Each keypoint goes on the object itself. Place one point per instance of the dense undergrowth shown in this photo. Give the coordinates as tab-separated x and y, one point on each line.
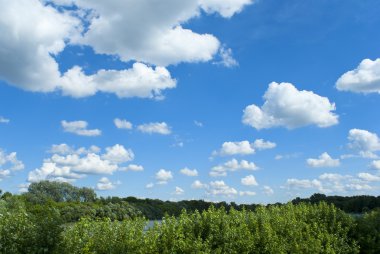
60	218
302	228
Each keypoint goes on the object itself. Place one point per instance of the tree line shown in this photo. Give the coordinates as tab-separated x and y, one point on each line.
53	217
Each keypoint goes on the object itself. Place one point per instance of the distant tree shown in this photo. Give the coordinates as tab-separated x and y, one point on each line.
43	191
367	232
6	195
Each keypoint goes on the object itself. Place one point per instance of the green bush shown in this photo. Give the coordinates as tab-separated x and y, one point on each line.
278	229
17	231
368	232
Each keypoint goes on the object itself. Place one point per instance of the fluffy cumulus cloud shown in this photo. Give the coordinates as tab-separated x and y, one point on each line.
323	161
117	154
236	148
178	191
198	185
157	128
369	177
249	180
139	31
261	144
122	124
365	142
232	165
291	108
79	128
267	190
364	79
139	81
163	176
243	147
226	8
189	172
32	35
68	164
303	184
133	167
375	164
105	184
9	163
221	188
333	183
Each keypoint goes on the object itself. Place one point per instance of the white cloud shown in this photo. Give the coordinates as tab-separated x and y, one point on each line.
247	193
304	184
4	120
235	148
369	177
215	172
149	185
32	35
64	149
178	191
133	167
189	172
220	188
232	165
9	163
199	124
375	164
287	156
69	164
286	106
163	176
249	180
268	190
335	183
145	33
159	128
323	161
22	188
363	141
105	184
61	149
128	30
227	59
51	171
79	128
226	8
140	81
198	185
118	154
333	177
122	124
261	144
358	187
364	79
4	173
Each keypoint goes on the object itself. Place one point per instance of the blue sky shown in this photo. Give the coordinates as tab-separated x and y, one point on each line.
246	101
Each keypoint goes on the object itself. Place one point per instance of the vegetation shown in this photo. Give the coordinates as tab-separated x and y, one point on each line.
355	204
60	218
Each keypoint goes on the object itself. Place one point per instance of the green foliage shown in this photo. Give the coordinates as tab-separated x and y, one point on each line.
44	191
104	237
279	229
59	218
368	232
354	204
48	227
17	231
